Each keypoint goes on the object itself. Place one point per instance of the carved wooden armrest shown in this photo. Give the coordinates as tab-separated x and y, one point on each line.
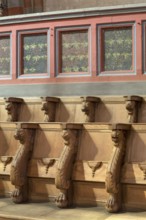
65	164
49	107
112	182
25	133
13	105
132	105
89	104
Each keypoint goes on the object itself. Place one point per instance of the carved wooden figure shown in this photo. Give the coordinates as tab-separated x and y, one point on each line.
65	165
25	133
113	185
89	106
49	108
132	106
13	105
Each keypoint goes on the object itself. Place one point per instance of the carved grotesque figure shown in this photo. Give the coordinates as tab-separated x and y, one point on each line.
13	106
49	111
131	107
18	175
89	109
64	168
113	186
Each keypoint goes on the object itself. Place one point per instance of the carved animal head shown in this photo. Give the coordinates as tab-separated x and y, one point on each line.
117	136
8	106
44	106
69	136
130	106
20	135
85	106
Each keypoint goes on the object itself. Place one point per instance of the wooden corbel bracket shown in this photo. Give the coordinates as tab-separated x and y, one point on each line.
132	105
25	134
63	181
89	104
13	105
113	173
49	105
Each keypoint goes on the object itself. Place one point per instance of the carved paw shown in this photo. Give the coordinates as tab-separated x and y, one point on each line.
61	200
19	195
113	204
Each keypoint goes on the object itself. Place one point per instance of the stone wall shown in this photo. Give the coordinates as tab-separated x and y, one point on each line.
50	5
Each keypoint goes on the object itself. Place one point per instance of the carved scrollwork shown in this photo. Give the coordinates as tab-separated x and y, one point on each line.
94	165
47	162
89	106
49	108
6	160
65	166
18	174
13	105
132	106
113	186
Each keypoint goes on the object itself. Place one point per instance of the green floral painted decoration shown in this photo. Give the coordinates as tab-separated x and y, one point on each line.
117	49
74	51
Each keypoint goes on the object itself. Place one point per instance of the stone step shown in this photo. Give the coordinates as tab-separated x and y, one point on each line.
48	211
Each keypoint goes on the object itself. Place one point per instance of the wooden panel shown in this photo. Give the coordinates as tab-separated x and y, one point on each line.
95	144
134	197
31	111
8	143
136	144
83	171
5	186
87	193
111	112
48	142
42	189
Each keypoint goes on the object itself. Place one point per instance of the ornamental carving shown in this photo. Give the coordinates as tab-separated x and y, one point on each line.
5	160
112	182
132	106
47	162
89	105
18	174
13	105
65	166
49	105
94	165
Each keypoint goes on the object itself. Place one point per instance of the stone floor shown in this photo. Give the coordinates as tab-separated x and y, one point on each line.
43	211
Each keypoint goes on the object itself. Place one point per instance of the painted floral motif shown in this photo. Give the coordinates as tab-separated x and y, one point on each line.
5	55
74	51
117	49
35	53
